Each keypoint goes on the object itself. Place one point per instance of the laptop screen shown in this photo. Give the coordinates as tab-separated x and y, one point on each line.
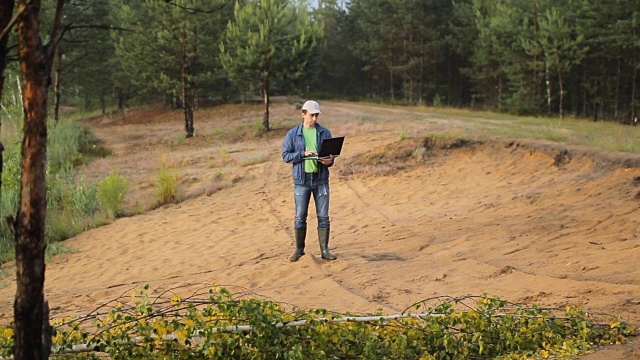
332	146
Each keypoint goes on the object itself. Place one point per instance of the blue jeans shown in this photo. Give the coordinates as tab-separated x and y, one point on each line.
302	194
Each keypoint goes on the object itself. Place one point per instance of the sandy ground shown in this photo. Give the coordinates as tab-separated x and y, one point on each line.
501	218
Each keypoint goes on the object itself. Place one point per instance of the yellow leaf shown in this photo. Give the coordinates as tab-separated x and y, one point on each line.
182	335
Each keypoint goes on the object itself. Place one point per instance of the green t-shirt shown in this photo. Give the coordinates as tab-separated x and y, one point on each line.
310	142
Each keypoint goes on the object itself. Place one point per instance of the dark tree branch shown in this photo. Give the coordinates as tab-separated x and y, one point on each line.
196	10
11	23
101	27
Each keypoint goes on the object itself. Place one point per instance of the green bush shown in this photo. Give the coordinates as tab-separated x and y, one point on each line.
437	101
71	204
167	186
63	145
10	198
111	192
403	134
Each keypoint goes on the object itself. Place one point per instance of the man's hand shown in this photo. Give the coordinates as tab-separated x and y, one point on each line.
309	152
327	160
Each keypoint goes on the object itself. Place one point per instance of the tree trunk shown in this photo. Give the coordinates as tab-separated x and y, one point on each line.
422	73
187	100
187	107
32	329
616	107
633	119
560	85
103	100
585	98
449	77
56	88
535	56
595	94
391	89
547	80
265	97
120	93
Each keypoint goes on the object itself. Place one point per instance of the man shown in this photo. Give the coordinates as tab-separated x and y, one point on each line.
309	177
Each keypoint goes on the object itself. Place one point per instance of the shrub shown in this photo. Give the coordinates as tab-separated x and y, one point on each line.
63	145
403	134
167	186
10	198
437	101
111	192
70	206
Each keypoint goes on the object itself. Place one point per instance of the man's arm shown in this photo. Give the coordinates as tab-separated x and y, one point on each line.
289	153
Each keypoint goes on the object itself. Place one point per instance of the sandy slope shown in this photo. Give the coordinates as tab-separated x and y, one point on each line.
494	218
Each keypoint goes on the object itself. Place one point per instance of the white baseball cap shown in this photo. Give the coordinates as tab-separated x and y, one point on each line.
312	107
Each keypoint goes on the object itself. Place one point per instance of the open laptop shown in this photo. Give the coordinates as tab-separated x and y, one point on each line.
328	147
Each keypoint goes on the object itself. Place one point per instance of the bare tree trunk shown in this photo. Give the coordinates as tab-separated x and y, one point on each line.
547	80
422	66
633	119
585	97
103	100
616	106
187	107
56	88
499	92
449	78
560	107
265	98
187	101
32	329
595	94
391	88
535	56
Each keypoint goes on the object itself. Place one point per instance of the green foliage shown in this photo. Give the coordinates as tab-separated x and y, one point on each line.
111	192
71	203
173	49
257	126
268	42
216	324
403	134
63	145
71	207
88	74
167	186
437	101
516	56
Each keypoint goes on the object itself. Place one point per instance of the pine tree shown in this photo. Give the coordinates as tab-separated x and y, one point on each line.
169	48
268	41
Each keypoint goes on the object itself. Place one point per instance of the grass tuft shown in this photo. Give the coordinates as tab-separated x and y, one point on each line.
167	186
111	192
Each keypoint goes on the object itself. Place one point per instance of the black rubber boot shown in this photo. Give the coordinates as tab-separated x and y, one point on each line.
301	235
323	237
